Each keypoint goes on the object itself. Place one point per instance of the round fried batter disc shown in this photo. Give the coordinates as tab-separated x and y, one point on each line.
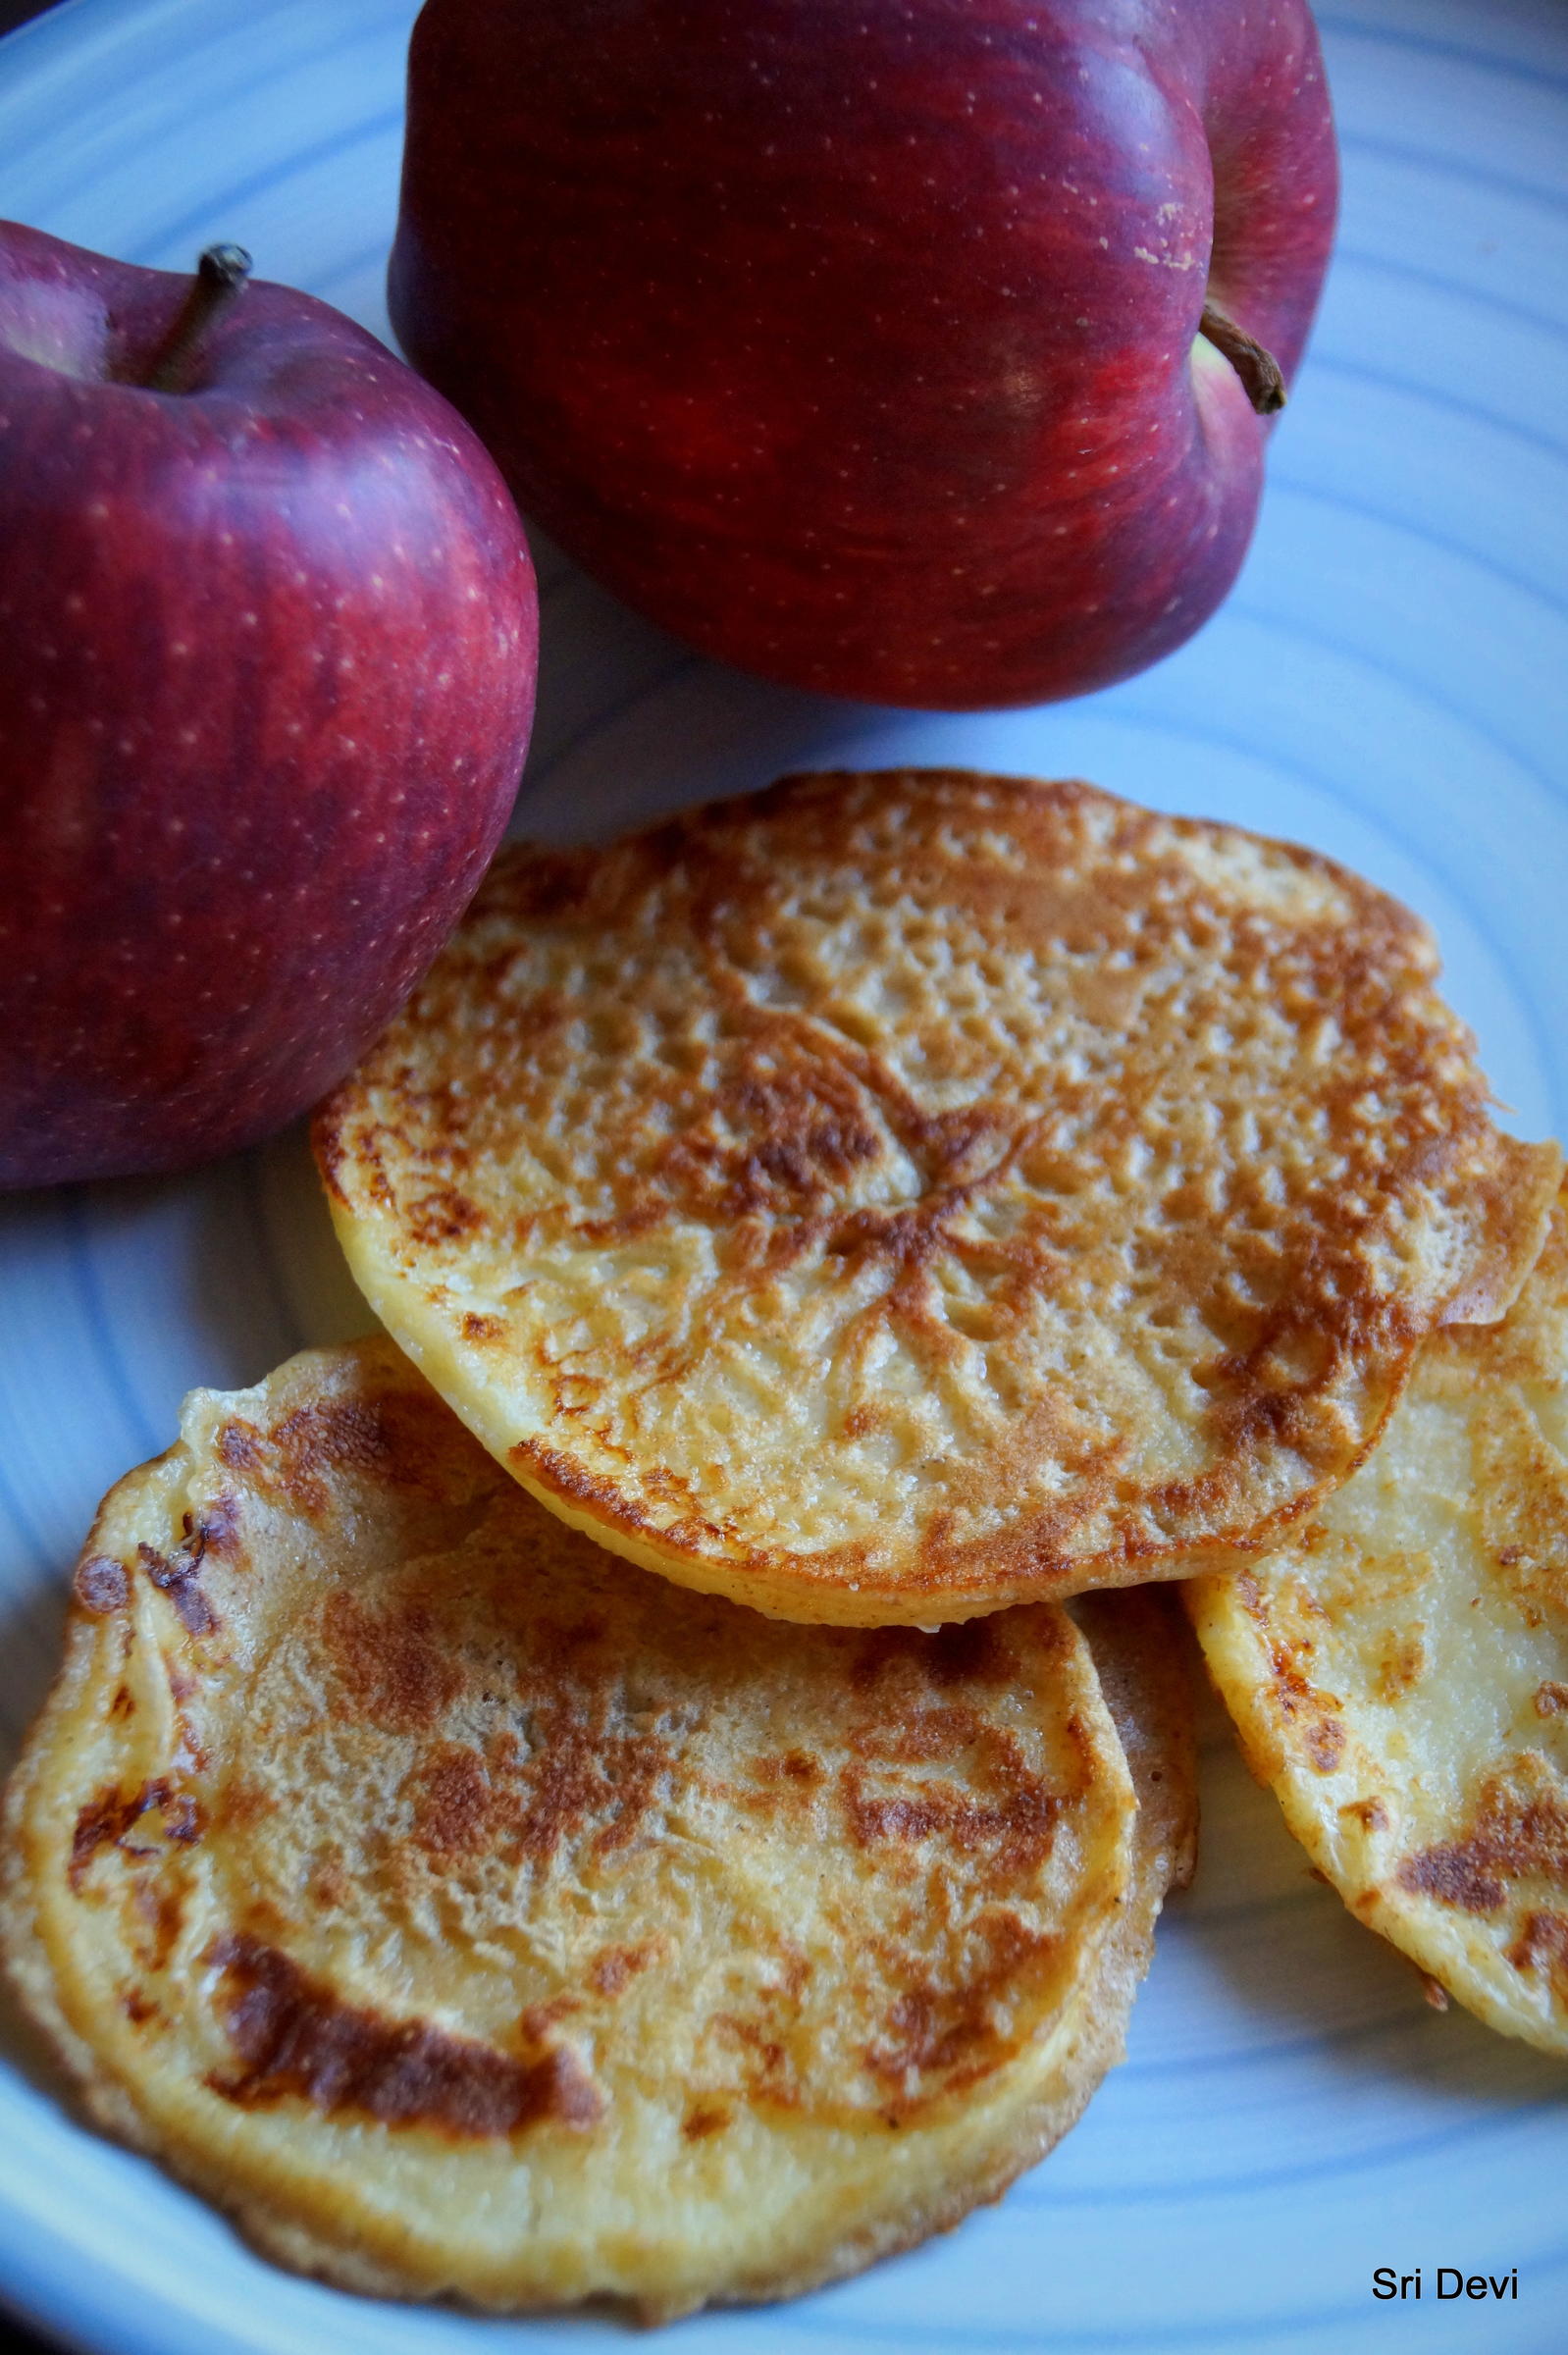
896	1196
1399	1671
470	1915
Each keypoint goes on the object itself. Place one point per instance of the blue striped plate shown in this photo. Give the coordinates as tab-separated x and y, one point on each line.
1390	682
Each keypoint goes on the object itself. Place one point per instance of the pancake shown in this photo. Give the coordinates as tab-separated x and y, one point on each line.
1399	1671
470	1915
892	1197
1144	1657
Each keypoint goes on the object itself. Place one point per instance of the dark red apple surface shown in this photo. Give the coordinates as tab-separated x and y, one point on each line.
267	659
857	341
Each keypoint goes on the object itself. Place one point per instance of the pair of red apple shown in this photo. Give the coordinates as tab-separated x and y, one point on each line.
915	351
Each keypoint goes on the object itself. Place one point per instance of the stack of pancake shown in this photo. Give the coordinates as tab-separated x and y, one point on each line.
657	1779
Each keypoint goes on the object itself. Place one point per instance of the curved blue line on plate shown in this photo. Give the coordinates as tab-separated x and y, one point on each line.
52	22
1421	690
1336	2163
96	1314
194	222
1362	258
44	1560
1391	520
1421	44
1464	169
105	80
1388	380
1406	2021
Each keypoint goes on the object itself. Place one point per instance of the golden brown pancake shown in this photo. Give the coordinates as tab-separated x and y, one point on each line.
895	1196
1399	1670
469	1913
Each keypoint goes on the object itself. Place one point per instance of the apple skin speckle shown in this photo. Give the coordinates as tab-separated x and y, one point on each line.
232	841
746	373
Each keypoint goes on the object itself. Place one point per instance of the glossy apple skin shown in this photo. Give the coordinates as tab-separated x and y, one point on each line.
267	662
852	339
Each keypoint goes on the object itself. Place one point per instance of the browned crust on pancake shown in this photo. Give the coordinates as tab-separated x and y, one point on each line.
1005	1079
1397	1671
296	2039
410	1698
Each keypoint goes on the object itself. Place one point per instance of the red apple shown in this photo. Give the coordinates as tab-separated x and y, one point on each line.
267	656
859	341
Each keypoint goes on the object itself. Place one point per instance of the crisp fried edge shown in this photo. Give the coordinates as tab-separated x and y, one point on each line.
1144	1685
1445	1946
1510	1212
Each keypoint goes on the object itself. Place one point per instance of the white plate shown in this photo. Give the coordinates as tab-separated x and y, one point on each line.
1388	682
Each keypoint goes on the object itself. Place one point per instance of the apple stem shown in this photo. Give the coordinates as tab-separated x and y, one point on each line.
220	274
1259	370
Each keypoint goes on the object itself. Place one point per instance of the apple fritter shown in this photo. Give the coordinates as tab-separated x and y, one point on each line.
896	1196
1399	1670
468	1914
